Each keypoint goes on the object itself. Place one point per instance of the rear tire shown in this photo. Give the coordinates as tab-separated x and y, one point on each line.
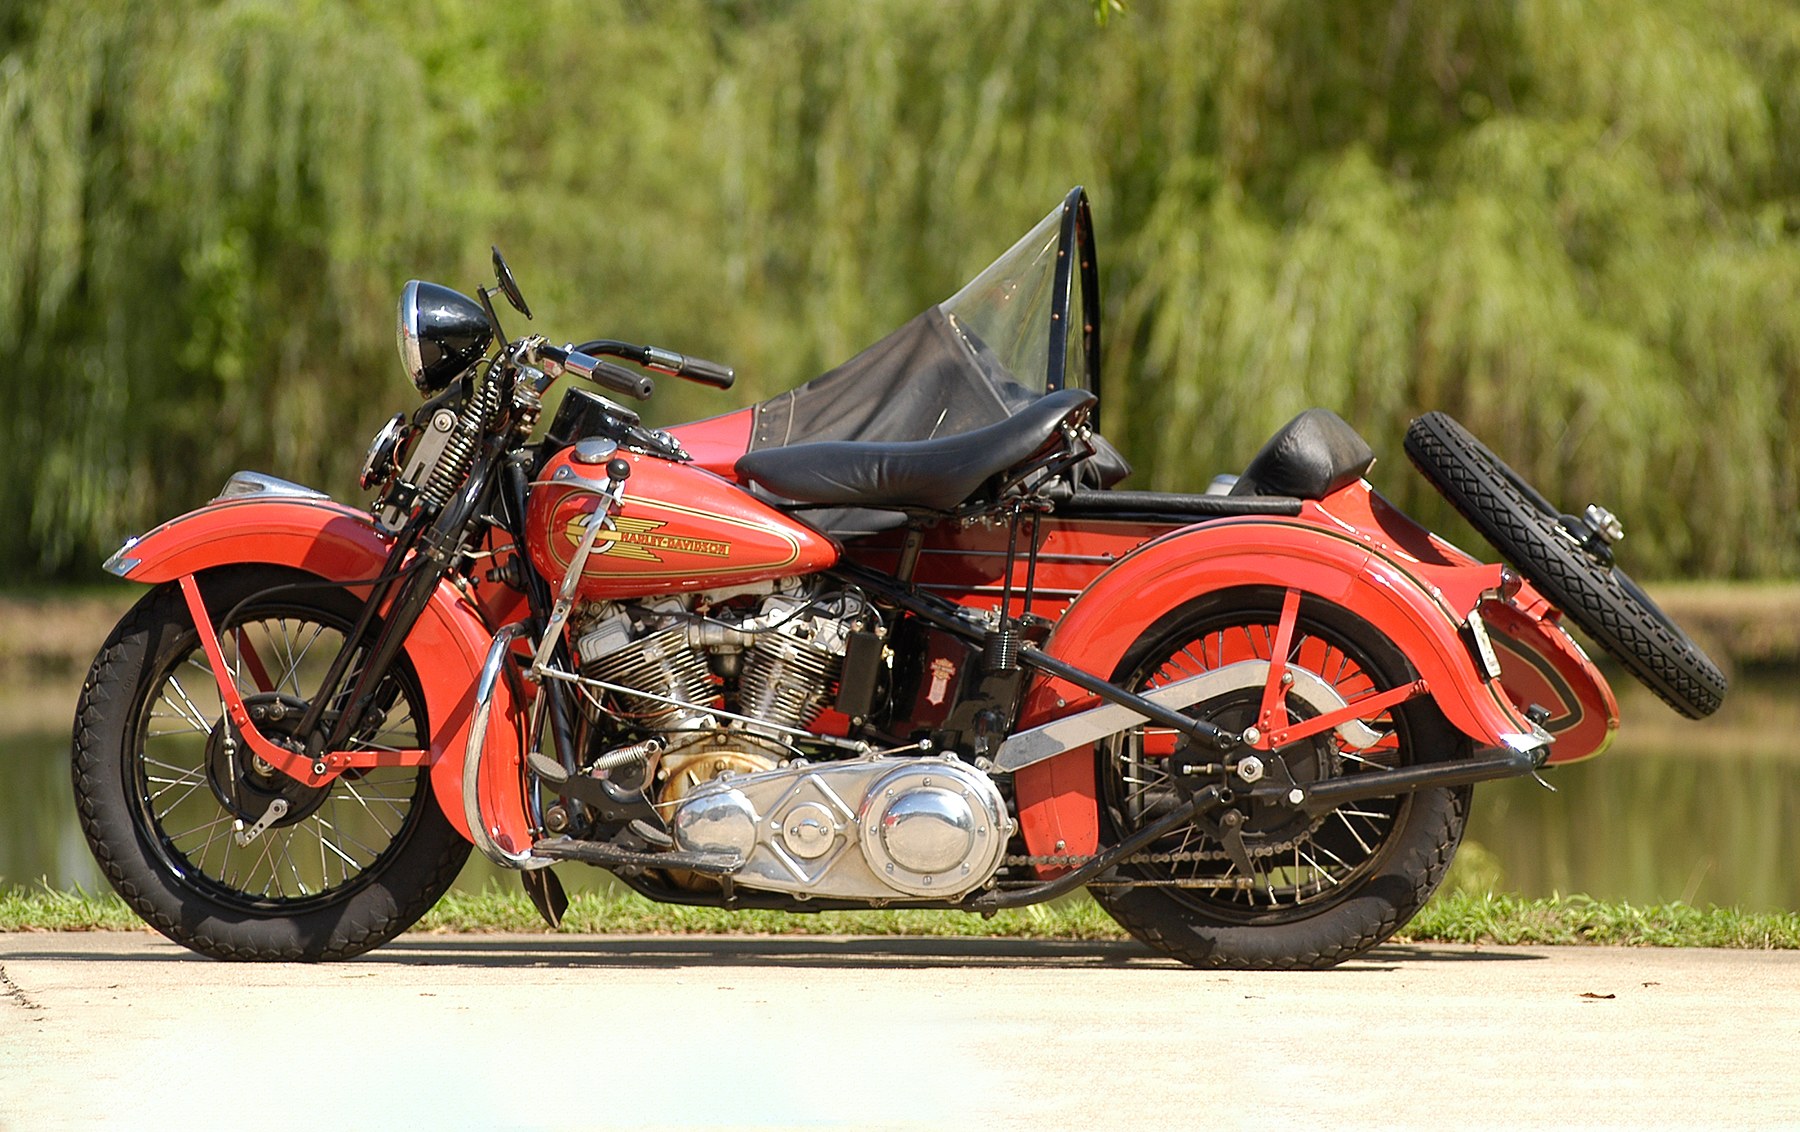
158	791
1323	891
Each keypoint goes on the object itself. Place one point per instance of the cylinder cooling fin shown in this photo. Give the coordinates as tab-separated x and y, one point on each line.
662	663
785	679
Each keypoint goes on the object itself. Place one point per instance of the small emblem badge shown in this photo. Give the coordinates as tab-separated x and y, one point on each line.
941	671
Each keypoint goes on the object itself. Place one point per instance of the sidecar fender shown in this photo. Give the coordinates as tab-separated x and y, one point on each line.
1420	607
322	537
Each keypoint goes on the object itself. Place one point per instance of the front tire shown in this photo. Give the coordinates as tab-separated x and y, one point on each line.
1321	891
161	787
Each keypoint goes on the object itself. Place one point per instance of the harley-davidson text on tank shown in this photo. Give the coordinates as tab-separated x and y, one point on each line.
679	528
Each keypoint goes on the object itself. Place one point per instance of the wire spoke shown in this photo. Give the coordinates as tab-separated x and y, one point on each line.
350	789
196	829
186	708
327	843
1351	829
345	832
185	795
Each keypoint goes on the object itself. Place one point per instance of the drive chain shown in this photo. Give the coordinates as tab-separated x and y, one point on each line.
1210	882
1255	849
1075	861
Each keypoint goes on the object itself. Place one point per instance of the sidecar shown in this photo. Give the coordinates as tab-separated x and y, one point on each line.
1152	587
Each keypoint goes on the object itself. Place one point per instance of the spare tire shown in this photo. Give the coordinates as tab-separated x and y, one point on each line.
1568	560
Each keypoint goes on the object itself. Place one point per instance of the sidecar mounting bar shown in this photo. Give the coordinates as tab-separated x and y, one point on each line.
1197	729
1321	797
991	902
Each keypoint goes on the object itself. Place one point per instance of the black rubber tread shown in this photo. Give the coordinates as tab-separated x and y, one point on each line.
1416	855
1353	928
379	909
1602	599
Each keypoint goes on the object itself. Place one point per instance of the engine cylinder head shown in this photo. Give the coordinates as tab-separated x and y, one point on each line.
662	663
785	679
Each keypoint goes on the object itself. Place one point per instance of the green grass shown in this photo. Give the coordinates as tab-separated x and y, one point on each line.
1460	916
48	910
1500	918
629	914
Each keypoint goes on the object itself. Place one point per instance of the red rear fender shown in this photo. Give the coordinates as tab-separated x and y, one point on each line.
332	541
1420	607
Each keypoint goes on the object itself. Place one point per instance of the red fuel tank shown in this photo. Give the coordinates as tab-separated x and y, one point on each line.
681	528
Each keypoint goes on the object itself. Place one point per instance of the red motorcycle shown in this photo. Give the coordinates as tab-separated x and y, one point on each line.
892	638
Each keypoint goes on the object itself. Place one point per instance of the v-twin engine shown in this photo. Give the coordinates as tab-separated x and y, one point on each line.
865	829
777	665
733	782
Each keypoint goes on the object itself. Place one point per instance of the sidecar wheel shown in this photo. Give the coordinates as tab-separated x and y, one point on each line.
1321	890
1529	533
159	789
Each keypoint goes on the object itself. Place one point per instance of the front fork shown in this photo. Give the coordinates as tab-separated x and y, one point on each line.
326	755
311	768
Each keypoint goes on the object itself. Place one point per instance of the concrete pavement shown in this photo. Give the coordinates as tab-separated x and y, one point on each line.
126	1030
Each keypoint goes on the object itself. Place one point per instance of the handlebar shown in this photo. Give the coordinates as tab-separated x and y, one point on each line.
665	361
603	373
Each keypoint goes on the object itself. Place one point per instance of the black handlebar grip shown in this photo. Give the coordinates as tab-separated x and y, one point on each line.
680	365
621	380
707	373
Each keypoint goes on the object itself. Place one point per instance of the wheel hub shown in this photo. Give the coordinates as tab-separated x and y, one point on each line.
246	784
1269	825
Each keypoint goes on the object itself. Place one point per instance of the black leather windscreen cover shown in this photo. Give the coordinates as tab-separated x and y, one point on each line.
929	378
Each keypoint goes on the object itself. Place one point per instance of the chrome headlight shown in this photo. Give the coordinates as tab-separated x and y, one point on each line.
440	333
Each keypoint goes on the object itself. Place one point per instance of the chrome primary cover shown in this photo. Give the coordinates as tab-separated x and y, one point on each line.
863	829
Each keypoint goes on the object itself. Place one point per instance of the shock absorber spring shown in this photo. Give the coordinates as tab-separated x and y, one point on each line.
459	452
1000	650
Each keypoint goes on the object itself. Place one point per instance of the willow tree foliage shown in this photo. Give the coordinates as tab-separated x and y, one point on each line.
1574	224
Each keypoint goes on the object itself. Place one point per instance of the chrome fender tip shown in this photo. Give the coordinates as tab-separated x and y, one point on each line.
121	564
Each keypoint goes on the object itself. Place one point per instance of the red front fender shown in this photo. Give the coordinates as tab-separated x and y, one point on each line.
1419	606
446	646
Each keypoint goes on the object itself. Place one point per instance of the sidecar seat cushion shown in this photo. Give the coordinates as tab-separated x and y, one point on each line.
1309	457
935	474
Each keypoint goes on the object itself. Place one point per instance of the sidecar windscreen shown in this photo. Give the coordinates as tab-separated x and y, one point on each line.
1021	307
971	361
998	344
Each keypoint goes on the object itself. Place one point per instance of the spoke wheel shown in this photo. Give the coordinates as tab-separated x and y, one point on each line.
1320	888
165	784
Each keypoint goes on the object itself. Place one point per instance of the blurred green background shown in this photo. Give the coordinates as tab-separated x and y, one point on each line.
1574	225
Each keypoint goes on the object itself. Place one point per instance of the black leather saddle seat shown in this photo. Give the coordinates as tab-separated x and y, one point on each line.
1310	457
935	474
